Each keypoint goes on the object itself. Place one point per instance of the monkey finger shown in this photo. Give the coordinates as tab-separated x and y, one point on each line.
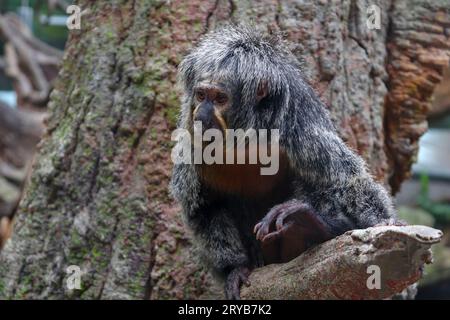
271	237
257	226
263	230
275	217
280	220
277	234
270	217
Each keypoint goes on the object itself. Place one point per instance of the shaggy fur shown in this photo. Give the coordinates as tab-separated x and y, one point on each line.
325	173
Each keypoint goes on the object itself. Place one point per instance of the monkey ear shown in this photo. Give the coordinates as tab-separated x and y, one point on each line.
262	91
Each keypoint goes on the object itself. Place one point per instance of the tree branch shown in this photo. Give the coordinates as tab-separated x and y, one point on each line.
338	269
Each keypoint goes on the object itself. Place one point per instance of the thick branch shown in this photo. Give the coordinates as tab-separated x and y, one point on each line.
338	269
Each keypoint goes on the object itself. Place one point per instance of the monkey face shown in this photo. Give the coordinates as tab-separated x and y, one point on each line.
211	101
218	106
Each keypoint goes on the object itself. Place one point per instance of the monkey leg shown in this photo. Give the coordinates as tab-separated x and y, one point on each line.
221	246
294	226
236	278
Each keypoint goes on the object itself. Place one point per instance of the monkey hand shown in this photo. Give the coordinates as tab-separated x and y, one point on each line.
289	215
235	279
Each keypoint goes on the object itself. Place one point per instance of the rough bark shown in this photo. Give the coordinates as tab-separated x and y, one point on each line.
98	194
419	53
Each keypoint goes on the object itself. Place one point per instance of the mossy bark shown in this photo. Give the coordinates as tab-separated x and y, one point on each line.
98	193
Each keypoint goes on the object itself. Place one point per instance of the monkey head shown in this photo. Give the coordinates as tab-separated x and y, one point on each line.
218	104
236	83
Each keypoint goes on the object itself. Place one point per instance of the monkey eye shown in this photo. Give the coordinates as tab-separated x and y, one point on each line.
200	95
221	99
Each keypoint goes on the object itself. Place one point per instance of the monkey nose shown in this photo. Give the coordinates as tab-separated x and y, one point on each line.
207	122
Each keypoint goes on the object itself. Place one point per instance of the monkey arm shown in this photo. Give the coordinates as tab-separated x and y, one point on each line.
339	186
214	229
219	239
314	148
319	156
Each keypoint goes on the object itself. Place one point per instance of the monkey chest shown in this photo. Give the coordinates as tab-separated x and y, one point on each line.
245	179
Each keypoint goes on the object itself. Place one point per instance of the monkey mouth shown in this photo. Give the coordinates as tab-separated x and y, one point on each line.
214	124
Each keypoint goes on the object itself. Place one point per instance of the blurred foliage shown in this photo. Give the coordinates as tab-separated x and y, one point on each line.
415	216
431	213
442	122
439	211
439	270
53	35
12	5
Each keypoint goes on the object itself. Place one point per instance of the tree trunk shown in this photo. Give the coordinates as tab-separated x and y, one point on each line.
98	194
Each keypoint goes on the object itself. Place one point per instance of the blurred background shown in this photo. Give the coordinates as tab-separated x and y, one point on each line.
45	20
425	198
32	37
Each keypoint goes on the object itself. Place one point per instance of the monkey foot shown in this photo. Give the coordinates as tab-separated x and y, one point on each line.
276	218
235	279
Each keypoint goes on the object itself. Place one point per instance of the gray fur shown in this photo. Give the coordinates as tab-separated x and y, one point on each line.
328	175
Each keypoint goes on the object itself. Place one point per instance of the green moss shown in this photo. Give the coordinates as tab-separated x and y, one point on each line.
109	29
96	253
75	239
2	288
64	129
153	134
105	180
